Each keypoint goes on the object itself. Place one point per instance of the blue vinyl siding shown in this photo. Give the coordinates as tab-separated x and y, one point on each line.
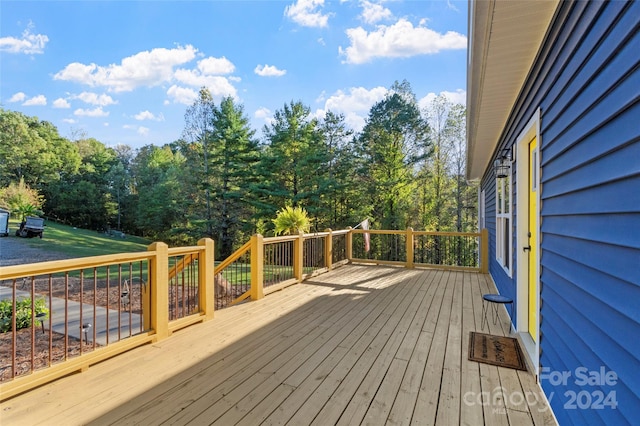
586	81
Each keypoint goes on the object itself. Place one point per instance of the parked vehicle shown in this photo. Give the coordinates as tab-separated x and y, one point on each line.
31	227
4	223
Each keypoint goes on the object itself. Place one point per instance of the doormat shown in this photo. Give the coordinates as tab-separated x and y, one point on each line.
496	350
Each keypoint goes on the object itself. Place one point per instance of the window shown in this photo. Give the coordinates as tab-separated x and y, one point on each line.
503	222
481	204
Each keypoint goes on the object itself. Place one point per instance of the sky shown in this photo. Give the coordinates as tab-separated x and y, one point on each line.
125	72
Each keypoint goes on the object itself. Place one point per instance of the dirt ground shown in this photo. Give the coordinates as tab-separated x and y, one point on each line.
15	251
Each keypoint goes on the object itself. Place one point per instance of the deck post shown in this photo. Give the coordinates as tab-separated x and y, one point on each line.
409	247
484	251
257	267
328	249
159	288
298	256
349	244
206	274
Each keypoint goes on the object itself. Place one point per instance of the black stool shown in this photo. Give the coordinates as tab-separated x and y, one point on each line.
496	299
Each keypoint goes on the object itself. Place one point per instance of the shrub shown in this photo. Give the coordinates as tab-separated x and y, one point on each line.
21	200
23	313
291	220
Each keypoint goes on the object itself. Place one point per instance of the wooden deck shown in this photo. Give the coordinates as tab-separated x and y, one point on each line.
358	345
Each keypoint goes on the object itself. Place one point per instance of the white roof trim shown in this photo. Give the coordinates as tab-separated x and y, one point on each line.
504	39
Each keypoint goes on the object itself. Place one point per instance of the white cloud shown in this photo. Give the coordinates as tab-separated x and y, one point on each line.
357	99
69	120
143	131
269	71
28	44
354	104
457	97
148	68
95	99
17	97
96	112
217	85
306	13
147	115
373	13
182	95
400	40
61	103
265	114
216	66
262	112
36	101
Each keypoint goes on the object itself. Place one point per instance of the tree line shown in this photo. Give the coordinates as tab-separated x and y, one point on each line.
404	168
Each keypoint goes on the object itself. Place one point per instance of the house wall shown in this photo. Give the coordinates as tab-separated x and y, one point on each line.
504	282
586	82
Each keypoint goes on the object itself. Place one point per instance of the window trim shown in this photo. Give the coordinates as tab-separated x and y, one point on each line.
504	222
482	222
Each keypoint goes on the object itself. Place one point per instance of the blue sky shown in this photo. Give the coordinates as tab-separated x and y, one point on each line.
126	71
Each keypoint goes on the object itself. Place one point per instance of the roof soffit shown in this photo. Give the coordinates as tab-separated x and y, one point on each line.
505	37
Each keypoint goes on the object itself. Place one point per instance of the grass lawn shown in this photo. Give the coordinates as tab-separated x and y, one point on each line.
75	243
80	242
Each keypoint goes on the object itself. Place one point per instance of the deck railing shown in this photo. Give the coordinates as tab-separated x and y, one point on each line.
82	311
264	265
451	250
63	316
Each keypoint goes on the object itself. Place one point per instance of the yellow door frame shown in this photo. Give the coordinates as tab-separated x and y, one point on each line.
528	247
532	247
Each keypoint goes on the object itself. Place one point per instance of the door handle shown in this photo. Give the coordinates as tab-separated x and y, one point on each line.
527	248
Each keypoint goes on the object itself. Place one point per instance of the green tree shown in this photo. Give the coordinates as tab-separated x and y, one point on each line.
465	192
344	200
234	156
18	195
291	161
82	199
198	130
393	141
160	214
121	186
33	150
447	202
435	180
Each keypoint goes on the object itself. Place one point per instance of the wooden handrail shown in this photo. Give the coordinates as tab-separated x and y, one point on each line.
410	236
448	234
378	231
235	256
183	263
177	251
55	266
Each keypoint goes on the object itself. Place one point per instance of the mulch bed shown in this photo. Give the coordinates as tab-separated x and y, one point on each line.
97	294
43	357
89	293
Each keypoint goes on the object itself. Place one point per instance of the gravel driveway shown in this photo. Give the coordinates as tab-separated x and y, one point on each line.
15	251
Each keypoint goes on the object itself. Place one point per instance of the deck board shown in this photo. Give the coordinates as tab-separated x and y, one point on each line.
358	345
470	371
